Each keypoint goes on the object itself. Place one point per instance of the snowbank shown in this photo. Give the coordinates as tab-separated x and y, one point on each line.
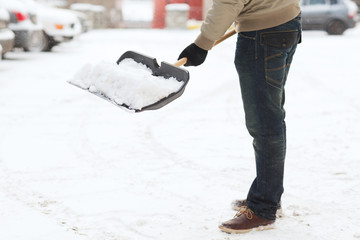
137	10
177	7
6	34
129	83
4	15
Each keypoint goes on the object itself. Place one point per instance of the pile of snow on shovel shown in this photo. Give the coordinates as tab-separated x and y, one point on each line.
128	83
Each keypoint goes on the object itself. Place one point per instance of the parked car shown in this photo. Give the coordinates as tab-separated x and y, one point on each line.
333	16
6	35
28	32
59	25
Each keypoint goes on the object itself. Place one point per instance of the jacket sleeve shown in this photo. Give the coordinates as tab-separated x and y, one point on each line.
218	19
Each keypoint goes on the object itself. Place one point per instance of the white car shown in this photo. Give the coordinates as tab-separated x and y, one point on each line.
28	32
59	25
6	35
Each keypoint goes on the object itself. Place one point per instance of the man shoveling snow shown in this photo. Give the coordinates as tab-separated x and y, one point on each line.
268	33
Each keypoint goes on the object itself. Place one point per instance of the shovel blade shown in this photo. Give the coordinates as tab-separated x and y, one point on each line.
165	70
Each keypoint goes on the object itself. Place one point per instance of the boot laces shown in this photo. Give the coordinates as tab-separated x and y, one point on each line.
245	211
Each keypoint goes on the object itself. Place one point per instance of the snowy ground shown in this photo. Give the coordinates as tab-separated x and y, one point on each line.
73	166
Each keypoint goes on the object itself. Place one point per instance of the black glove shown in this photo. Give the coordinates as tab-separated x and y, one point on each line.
194	54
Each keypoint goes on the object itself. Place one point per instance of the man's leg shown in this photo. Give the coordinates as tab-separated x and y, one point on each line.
262	60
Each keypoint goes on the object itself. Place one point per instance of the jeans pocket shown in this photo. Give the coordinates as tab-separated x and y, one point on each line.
278	51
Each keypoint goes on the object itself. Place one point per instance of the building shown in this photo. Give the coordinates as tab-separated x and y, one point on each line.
114	12
112	15
195	12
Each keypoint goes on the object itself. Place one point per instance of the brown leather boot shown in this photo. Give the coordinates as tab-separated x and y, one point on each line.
245	221
237	204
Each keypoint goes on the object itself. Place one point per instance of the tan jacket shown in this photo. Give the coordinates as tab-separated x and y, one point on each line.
248	15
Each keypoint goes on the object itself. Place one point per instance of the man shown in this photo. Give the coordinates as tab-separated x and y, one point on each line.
268	33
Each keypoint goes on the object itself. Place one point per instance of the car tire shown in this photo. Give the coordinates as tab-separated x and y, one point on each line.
50	43
336	27
38	42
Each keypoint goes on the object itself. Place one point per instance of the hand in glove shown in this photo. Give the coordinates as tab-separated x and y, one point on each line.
194	54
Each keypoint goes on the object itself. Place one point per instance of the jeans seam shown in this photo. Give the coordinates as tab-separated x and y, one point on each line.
244	36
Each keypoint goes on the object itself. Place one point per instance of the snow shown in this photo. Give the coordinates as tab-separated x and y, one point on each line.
87	7
6	34
177	7
4	15
73	166
13	5
129	83
137	10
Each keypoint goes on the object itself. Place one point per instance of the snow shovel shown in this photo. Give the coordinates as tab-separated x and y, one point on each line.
165	70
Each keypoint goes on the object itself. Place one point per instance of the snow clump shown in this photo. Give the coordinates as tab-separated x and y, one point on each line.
128	83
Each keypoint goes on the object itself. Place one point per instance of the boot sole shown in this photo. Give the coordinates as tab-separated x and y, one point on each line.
239	231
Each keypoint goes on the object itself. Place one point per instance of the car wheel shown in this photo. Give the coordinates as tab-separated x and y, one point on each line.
51	43
336	27
38	42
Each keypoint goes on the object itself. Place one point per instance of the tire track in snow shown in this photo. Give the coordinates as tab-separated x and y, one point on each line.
17	190
14	186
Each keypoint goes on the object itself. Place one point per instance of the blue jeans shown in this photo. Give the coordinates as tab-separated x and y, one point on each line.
262	61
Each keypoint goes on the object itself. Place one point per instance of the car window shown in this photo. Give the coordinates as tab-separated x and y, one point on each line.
317	2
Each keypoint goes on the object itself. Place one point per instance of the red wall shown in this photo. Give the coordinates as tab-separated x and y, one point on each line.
196	9
159	10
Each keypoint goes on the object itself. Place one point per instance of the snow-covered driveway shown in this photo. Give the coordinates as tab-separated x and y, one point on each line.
73	166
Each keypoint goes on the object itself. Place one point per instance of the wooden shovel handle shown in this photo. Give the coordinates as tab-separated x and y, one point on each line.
226	36
182	61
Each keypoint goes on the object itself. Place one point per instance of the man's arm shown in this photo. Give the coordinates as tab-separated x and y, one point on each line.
218	20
